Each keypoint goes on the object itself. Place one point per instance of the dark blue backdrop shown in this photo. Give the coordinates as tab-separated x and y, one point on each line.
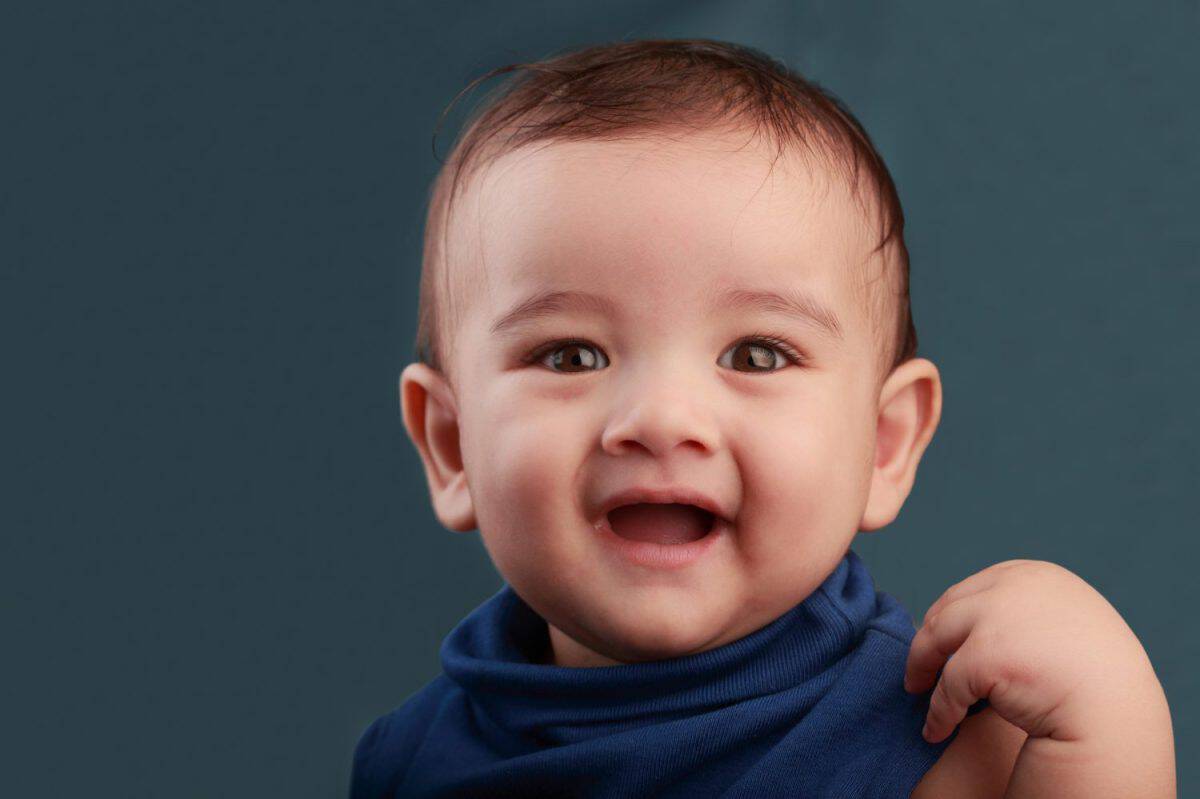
220	561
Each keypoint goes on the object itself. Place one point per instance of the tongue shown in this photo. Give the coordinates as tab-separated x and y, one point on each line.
662	524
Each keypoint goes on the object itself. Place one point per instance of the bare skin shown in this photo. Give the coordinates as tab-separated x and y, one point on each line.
805	456
1056	662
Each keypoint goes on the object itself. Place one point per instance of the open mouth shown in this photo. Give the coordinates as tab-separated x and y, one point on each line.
661	523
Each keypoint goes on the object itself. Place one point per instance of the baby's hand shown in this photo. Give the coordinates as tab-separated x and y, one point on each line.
1029	636
1053	657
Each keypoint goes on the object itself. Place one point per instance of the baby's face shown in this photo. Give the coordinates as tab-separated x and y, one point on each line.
665	383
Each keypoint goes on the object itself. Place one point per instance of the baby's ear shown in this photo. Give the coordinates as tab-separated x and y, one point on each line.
431	418
910	405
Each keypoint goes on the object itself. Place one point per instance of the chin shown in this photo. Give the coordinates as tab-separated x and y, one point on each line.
648	630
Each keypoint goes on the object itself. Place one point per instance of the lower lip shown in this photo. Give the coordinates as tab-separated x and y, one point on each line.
661	556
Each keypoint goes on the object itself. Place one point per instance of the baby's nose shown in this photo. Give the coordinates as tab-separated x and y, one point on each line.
658	419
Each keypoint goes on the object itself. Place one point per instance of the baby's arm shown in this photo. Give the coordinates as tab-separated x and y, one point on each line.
1126	748
1054	658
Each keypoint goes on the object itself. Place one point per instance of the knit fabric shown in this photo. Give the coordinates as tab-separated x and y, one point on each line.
811	705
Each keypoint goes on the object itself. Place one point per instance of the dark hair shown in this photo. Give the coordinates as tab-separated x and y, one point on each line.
619	89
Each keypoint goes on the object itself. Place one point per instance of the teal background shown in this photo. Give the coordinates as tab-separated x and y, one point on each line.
219	558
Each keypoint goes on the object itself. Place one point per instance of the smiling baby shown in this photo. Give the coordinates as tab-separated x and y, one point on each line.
667	368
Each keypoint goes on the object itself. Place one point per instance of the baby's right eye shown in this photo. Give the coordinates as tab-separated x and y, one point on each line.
570	353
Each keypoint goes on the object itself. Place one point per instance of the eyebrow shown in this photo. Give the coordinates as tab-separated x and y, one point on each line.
793	303
548	303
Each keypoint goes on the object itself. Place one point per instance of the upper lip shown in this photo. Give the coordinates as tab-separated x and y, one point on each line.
665	496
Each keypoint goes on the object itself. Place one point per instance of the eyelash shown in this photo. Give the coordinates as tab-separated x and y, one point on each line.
776	340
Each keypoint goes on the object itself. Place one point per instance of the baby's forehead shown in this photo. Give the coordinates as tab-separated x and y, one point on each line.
662	204
707	157
710	177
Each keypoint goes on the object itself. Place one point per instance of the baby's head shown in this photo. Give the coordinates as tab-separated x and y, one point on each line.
665	265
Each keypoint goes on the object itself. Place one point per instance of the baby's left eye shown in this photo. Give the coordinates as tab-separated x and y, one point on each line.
760	352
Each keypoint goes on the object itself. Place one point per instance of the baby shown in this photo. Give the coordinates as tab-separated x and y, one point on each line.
668	370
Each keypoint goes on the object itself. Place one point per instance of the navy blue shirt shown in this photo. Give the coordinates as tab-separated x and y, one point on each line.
811	705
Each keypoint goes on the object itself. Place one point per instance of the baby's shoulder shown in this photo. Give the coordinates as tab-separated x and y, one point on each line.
977	763
387	746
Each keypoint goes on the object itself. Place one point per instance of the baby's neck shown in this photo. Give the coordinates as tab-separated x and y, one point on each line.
564	650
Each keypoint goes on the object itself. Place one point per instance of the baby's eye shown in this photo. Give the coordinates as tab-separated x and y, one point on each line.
760	353
568	353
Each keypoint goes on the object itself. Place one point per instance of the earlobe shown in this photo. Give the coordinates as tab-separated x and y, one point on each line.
431	419
910	407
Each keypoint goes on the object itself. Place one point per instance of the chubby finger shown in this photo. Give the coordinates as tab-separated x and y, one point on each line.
977	582
935	643
955	692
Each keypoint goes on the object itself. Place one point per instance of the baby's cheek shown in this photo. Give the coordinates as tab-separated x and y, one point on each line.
526	486
782	469
798	492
